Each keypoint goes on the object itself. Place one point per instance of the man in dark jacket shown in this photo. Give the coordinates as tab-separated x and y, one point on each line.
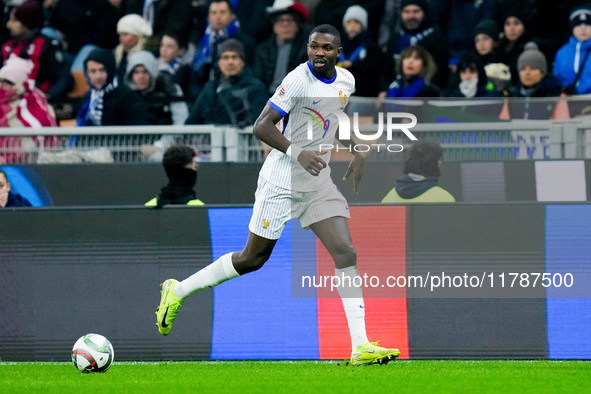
285	49
416	28
9	199
109	103
235	97
222	24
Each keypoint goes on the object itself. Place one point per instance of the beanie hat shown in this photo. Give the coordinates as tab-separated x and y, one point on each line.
517	13
358	13
16	70
532	57
288	6
420	3
580	16
134	24
488	27
29	14
232	45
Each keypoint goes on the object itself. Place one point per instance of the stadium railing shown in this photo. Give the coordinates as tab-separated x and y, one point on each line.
486	140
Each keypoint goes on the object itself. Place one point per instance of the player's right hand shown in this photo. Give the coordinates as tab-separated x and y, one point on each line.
312	161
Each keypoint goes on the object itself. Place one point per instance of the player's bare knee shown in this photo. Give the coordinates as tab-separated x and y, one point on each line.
345	257
245	263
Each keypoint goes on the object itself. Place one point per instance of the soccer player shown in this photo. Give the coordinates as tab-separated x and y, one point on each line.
295	182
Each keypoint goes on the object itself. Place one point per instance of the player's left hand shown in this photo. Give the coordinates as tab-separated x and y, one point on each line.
356	167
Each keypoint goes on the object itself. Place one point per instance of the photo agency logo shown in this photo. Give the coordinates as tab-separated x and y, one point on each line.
390	119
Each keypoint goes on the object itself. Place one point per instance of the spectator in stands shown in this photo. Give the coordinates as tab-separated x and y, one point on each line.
133	32
416	28
172	48
161	95
21	103
223	24
235	96
415	70
360	55
457	20
534	82
470	80
572	64
85	22
515	36
163	16
181	171
9	199
286	48
332	12
109	103
422	167
50	71
486	39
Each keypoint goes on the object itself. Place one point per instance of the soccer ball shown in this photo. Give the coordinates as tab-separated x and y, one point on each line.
92	353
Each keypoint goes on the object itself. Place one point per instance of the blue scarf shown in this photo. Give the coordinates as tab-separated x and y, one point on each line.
399	90
171	67
210	40
92	111
405	39
352	48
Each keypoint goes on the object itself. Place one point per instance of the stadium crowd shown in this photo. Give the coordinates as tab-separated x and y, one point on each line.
132	62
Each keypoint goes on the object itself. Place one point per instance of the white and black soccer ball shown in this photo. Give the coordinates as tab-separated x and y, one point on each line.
92	353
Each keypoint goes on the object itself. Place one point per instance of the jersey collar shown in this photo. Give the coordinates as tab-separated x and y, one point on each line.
322	79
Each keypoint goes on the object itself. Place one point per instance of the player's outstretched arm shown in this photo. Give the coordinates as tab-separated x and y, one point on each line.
265	130
356	165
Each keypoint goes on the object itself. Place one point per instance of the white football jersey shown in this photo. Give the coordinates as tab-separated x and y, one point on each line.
301	98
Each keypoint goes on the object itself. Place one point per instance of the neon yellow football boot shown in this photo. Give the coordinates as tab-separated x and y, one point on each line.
369	353
169	306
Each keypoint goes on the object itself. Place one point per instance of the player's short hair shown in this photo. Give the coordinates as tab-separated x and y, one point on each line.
422	158
326	29
178	156
3	173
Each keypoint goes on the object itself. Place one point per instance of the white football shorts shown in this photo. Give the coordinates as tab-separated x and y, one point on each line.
274	206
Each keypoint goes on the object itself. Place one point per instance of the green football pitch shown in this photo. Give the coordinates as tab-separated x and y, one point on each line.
301	376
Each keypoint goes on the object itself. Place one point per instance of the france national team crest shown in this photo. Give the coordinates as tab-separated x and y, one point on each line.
342	97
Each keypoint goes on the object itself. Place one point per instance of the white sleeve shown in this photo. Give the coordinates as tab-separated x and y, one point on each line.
288	92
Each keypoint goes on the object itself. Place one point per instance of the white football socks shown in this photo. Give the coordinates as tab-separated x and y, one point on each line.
217	272
353	304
